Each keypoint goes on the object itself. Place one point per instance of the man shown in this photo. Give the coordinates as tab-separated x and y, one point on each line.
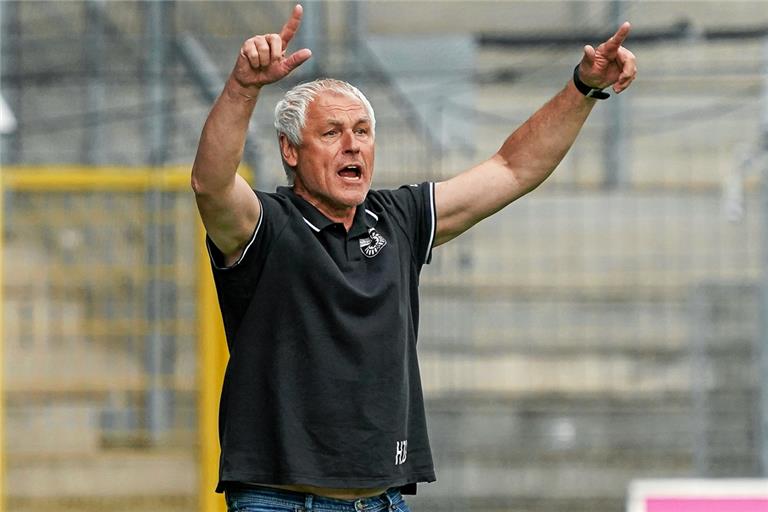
322	407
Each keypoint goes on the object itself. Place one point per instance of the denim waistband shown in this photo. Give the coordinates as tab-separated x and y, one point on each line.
254	495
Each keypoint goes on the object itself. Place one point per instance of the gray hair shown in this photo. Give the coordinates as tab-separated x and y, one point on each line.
291	111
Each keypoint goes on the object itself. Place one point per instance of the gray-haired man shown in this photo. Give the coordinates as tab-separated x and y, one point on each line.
318	282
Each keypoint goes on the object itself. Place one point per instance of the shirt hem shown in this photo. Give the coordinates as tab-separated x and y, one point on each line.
339	483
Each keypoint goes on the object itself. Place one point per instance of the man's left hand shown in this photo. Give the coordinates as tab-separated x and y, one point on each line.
610	63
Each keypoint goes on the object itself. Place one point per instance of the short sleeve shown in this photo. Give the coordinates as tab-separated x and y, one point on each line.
413	208
243	272
217	257
236	284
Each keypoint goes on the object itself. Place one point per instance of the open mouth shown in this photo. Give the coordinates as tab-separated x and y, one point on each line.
350	172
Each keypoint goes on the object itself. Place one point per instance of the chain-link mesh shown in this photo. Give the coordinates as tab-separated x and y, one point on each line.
100	347
603	329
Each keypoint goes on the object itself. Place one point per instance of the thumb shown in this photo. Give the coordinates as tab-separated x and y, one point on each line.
589	56
297	58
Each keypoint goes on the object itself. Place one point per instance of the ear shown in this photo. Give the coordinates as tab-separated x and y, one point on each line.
288	150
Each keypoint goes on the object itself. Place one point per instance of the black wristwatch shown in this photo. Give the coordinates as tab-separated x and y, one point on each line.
589	92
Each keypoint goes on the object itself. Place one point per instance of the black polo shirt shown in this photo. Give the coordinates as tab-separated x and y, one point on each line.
322	386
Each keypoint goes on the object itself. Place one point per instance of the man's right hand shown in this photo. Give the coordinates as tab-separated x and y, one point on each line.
228	207
262	59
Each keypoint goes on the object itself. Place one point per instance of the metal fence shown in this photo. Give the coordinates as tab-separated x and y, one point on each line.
100	339
606	328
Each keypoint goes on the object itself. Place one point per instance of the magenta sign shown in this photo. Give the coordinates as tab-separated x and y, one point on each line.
713	495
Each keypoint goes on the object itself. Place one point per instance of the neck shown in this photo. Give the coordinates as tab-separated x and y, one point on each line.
344	215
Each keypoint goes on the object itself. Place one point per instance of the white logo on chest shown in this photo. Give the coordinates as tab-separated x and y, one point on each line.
401	452
372	245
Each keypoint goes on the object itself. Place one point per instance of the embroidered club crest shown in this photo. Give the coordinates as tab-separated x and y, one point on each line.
372	245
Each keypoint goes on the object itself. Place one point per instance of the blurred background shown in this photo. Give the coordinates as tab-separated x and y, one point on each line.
609	327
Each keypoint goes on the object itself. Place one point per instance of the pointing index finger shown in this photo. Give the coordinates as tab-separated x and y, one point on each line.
292	25
618	38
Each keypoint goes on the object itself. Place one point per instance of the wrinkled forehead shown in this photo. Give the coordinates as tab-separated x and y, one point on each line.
333	104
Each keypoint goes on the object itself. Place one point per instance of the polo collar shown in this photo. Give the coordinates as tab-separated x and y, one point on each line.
364	219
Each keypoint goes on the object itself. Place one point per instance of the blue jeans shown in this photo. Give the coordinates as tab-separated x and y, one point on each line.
262	499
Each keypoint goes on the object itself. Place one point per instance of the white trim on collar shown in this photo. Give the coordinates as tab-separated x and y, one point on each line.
369	212
315	228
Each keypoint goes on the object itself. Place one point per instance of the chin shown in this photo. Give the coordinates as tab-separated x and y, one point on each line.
356	190
355	199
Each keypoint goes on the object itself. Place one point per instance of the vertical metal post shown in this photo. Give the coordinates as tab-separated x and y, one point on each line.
615	157
10	57
2	337
763	435
701	416
357	23
95	89
160	292
157	25
311	36
5	16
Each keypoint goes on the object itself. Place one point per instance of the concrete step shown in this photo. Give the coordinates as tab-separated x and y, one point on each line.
587	481
117	503
639	432
425	501
628	240
554	360
567	318
106	474
61	429
665	434
516	374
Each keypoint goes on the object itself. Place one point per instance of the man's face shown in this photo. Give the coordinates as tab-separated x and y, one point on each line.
334	163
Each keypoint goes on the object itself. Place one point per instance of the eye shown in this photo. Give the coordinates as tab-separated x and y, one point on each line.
362	131
330	133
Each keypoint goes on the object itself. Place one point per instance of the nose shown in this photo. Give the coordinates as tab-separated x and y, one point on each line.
350	144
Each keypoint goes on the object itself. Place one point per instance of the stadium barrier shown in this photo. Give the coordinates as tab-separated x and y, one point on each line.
111	338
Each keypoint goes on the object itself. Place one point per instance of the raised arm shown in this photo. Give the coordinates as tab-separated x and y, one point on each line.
531	153
227	205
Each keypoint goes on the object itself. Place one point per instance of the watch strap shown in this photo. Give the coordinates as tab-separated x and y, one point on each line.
586	90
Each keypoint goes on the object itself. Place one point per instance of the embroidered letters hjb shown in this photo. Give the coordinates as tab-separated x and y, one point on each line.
372	245
401	452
